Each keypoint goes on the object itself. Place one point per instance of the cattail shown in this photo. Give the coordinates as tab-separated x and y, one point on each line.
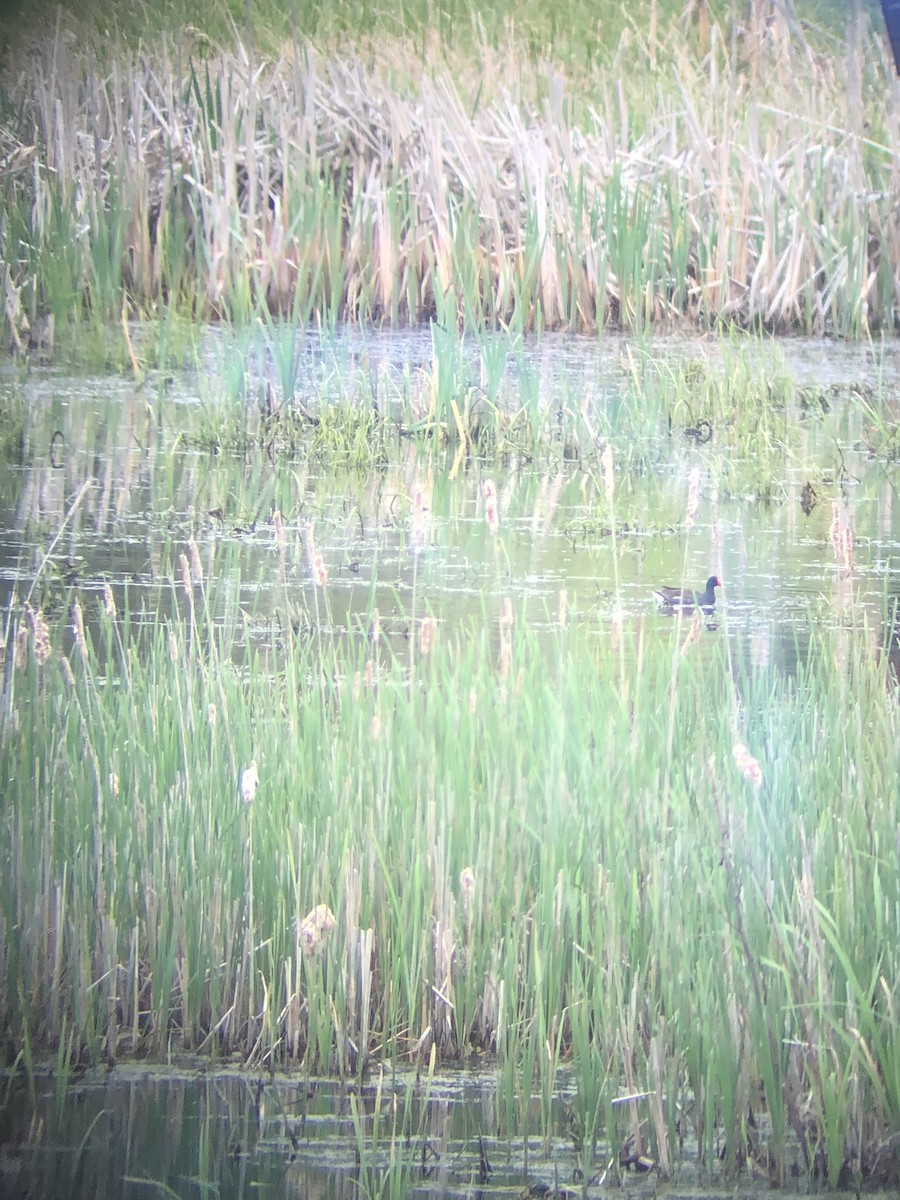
370	674
249	782
212	715
473	701
173	646
375	632
418	526
114	784
608	473
617	624
693	634
315	559
426	634
109	601
315	928
841	536
186	577
562	611
66	669
320	571
78	629
834	529
491	515
279	529
196	565
693	500
21	653
375	728
40	635
747	764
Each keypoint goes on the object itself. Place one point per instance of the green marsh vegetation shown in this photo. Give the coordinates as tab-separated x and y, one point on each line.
443	844
633	852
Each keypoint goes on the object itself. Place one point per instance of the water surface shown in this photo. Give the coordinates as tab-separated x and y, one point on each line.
138	1132
765	523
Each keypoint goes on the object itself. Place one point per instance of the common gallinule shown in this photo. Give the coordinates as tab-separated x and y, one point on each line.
675	598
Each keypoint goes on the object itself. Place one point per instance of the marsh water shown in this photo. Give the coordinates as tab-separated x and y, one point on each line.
139	1132
765	523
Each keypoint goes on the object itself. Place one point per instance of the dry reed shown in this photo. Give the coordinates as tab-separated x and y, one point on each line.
758	188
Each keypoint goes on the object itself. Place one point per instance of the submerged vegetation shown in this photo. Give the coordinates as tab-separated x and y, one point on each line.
718	163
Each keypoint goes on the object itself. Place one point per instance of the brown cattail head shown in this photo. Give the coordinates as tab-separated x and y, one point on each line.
40	635
186	577
109	601
418	525
78	629
608	472
562	611
196	564
491	512
249	782
834	529
747	764
467	887
315	559
693	633
20	657
427	631
315	928
66	669
617	624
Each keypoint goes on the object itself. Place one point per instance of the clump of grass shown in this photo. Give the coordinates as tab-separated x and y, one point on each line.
620	858
722	406
361	419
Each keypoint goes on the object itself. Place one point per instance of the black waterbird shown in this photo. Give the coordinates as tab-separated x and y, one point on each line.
684	598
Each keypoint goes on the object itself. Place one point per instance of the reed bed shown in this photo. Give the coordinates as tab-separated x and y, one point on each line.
638	856
741	170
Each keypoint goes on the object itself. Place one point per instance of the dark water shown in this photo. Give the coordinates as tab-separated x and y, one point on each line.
140	1132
